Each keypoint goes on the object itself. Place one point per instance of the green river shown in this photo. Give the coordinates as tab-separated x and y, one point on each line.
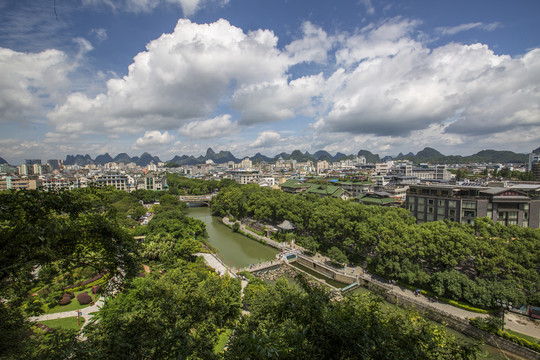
235	249
240	251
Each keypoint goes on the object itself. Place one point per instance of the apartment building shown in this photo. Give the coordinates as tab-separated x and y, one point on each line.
514	205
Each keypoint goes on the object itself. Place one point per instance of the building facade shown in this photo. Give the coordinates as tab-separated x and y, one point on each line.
515	205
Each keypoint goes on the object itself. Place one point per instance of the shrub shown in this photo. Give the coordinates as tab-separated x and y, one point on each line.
66	299
84	298
236	227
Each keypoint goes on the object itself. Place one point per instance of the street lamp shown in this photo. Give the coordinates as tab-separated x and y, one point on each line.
505	305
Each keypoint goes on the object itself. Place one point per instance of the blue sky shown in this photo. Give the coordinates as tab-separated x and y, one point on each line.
175	77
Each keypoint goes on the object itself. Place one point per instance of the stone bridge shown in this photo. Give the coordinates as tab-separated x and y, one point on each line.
202	199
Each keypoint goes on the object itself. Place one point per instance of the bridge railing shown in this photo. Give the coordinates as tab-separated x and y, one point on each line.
261	266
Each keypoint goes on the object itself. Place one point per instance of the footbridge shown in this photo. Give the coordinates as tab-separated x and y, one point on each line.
196	199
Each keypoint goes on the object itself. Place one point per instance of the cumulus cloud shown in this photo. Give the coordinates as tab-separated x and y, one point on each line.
181	77
452	30
313	46
153	138
30	81
393	84
384	84
211	128
277	100
266	139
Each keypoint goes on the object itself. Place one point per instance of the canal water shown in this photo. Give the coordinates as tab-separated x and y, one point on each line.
235	249
239	251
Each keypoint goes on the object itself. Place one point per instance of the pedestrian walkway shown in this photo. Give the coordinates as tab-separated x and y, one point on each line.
84	313
217	264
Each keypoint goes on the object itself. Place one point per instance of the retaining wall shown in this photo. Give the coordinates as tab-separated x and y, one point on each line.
326	270
463	326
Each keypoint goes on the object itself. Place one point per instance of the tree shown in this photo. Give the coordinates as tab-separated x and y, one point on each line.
289	323
173	317
337	255
67	229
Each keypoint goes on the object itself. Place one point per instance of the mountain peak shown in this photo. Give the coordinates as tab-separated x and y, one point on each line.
210	153
428	153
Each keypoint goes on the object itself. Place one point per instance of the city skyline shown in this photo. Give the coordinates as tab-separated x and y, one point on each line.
173	77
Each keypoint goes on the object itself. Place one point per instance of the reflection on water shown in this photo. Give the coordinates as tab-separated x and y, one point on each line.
236	249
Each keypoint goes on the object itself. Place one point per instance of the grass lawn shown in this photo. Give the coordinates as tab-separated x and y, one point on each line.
72	306
65	323
222	340
526	337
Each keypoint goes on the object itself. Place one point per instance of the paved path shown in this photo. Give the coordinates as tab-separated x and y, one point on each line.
85	313
218	265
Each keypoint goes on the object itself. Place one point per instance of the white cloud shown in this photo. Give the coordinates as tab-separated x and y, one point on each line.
211	128
181	77
392	84
370	9
266	139
84	46
277	100
100	34
385	90
153	138
30	81
388	39
452	30
312	47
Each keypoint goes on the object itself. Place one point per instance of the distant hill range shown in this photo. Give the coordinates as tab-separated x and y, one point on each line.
2	161
83	160
432	156
427	155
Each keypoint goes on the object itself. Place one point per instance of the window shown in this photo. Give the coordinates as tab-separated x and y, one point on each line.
452	212
441	203
451	204
469	205
421	201
430	202
430	209
526	207
430	217
420	208
469	213
411	207
440	218
490	206
525	216
440	211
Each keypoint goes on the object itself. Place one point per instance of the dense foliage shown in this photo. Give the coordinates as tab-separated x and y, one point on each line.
291	323
172	316
52	232
477	264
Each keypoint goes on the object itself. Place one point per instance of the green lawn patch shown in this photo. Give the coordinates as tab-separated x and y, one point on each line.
523	336
72	306
222	340
64	323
